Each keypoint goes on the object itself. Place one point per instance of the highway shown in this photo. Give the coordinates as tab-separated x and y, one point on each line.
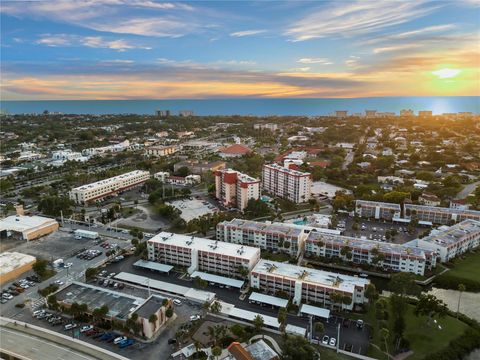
34	343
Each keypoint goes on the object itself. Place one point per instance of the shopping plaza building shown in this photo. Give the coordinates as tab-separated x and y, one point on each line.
199	254
267	236
103	188
307	285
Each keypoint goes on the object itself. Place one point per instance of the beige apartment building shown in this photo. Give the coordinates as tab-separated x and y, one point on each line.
286	183
160	150
234	189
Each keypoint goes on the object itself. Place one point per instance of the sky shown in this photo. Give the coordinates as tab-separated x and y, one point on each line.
133	49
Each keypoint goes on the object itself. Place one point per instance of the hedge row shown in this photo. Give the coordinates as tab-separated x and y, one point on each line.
448	281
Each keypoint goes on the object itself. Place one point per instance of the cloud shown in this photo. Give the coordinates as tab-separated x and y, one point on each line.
395	48
247	33
321	61
61	40
356	18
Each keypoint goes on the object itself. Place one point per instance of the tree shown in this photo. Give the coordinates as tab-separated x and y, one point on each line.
153	320
428	305
403	283
346	251
258	323
319	327
216	351
200	282
216	333
297	347
55	206
216	307
90	273
257	208
371	292
169	312
282	318
40	268
384	334
461	289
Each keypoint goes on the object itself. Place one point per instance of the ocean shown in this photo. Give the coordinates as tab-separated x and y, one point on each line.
247	106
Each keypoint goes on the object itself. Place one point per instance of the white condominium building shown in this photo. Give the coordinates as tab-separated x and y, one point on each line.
103	188
390	257
199	254
307	285
453	241
377	210
267	236
233	188
288	184
439	215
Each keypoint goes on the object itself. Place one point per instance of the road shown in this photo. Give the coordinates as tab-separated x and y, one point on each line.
467	190
35	343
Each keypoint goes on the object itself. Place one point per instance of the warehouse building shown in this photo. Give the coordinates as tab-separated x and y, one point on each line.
103	188
204	255
27	227
14	264
308	285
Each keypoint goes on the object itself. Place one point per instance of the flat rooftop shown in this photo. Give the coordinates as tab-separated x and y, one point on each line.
454	233
365	244
286	170
276	228
324	278
442	209
378	203
150	306
22	223
120	305
111	180
10	261
202	244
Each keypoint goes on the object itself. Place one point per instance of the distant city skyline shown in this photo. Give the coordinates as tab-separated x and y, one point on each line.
133	49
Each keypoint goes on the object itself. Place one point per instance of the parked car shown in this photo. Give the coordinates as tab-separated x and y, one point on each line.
333	341
325	339
177	302
172	341
119	339
126	343
70	326
86	328
195	317
360	324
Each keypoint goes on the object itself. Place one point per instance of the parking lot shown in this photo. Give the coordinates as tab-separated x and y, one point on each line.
352	338
375	230
193	208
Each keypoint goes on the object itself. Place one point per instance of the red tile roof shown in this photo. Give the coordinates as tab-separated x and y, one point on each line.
236	149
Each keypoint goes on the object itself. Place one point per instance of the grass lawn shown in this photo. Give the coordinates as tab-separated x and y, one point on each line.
327	354
467	268
423	339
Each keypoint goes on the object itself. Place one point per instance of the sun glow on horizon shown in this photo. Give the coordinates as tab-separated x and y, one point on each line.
446	73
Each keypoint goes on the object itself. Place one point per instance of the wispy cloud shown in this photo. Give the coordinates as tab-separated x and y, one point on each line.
320	61
59	40
356	18
246	33
393	48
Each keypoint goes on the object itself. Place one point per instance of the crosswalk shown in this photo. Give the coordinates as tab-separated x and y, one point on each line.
38	303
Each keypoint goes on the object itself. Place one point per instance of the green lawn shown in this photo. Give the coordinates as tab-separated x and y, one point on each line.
423	338
467	268
327	354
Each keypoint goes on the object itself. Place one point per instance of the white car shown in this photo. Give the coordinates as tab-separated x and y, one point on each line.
86	328
119	339
7	296
333	341
59	283
177	302
38	312
68	265
325	339
69	327
194	317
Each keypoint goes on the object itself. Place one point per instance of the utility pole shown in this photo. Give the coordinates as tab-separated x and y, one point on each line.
338	337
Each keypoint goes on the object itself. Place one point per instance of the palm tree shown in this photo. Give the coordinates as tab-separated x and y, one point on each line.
461	289
153	320
216	351
384	334
216	307
258	323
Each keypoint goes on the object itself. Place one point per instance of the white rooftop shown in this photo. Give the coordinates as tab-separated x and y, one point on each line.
324	278
152	265
202	244
10	261
268	299
111	180
22	223
218	279
315	311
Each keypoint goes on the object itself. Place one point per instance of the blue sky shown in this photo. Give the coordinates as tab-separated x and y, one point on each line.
116	49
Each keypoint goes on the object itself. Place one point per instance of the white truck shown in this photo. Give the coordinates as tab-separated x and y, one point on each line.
58	263
85	234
